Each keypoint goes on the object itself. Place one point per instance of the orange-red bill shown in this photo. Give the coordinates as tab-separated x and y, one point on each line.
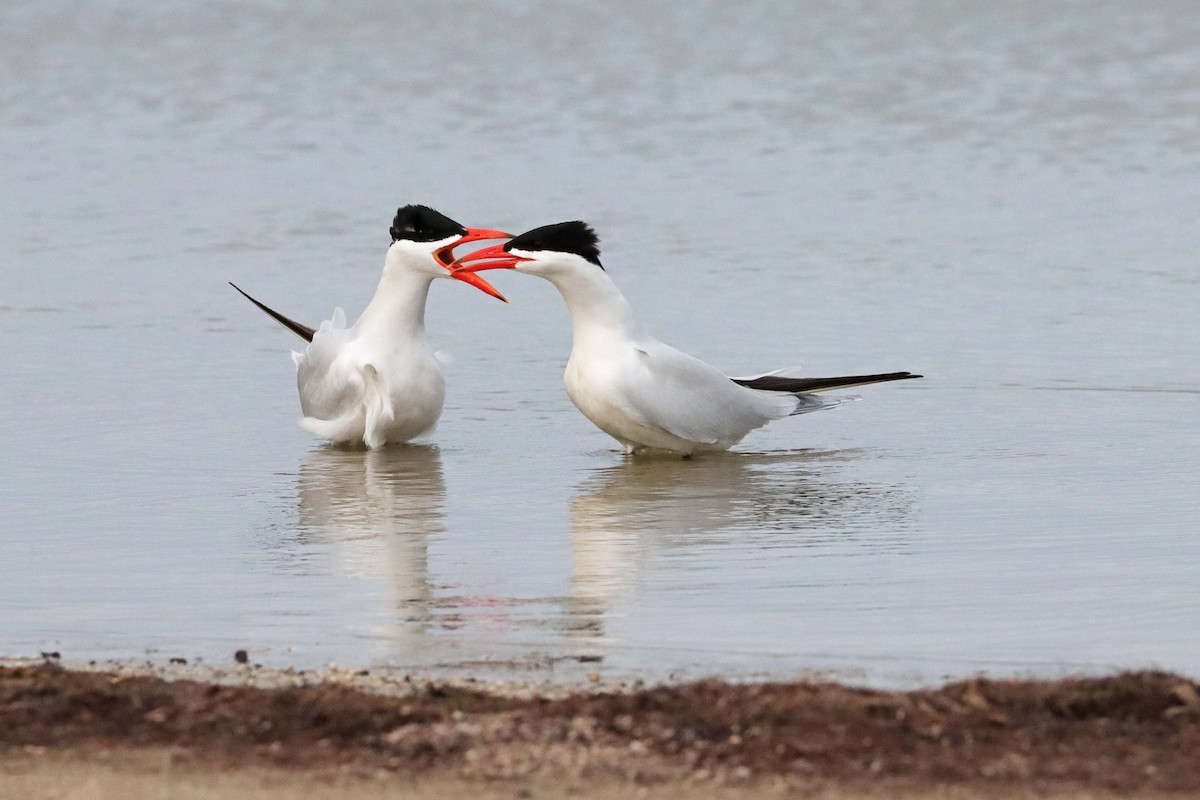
477	234
493	257
479	283
445	257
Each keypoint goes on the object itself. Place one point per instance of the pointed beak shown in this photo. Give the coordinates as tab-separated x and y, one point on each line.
494	257
478	234
445	257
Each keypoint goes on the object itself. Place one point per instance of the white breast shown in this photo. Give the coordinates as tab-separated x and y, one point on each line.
355	389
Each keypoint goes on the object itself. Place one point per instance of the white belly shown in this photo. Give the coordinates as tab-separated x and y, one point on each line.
594	391
373	398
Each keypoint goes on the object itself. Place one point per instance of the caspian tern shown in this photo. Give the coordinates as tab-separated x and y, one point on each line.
643	393
378	381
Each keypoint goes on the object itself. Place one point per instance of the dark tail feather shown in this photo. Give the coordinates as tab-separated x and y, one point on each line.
303	331
774	383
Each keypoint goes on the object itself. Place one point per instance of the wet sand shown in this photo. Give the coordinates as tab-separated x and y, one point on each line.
100	733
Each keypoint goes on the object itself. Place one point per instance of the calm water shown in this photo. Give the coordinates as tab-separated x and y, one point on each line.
1001	197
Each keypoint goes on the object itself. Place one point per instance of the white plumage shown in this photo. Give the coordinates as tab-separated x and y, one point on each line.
378	380
642	392
645	394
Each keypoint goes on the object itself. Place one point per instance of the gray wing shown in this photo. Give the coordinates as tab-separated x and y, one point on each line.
687	398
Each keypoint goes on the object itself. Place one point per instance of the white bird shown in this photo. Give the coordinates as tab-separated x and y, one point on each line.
643	393
379	381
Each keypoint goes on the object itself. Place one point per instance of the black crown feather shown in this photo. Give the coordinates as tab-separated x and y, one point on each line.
562	237
423	224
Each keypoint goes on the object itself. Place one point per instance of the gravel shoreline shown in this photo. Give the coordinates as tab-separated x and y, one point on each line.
1135	732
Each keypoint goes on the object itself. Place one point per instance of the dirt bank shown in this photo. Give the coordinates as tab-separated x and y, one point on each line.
1129	733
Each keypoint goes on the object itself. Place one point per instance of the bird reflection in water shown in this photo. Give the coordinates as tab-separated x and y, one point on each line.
377	510
624	513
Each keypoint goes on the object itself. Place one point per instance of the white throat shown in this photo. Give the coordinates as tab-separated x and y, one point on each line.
397	311
596	305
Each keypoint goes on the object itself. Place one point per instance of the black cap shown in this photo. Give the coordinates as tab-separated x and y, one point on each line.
562	237
423	224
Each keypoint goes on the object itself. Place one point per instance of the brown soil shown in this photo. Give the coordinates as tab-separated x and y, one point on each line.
1129	732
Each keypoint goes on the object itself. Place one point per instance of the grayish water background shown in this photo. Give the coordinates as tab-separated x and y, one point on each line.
1001	196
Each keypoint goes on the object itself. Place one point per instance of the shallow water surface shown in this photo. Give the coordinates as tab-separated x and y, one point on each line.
1003	199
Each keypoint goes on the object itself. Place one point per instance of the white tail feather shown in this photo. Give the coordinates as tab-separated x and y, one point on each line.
346	428
377	406
786	372
808	403
337	322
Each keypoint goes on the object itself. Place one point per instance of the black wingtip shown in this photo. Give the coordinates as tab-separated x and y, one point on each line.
303	331
774	383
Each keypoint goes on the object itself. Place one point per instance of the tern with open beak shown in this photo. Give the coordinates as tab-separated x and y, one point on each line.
378	381
643	393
